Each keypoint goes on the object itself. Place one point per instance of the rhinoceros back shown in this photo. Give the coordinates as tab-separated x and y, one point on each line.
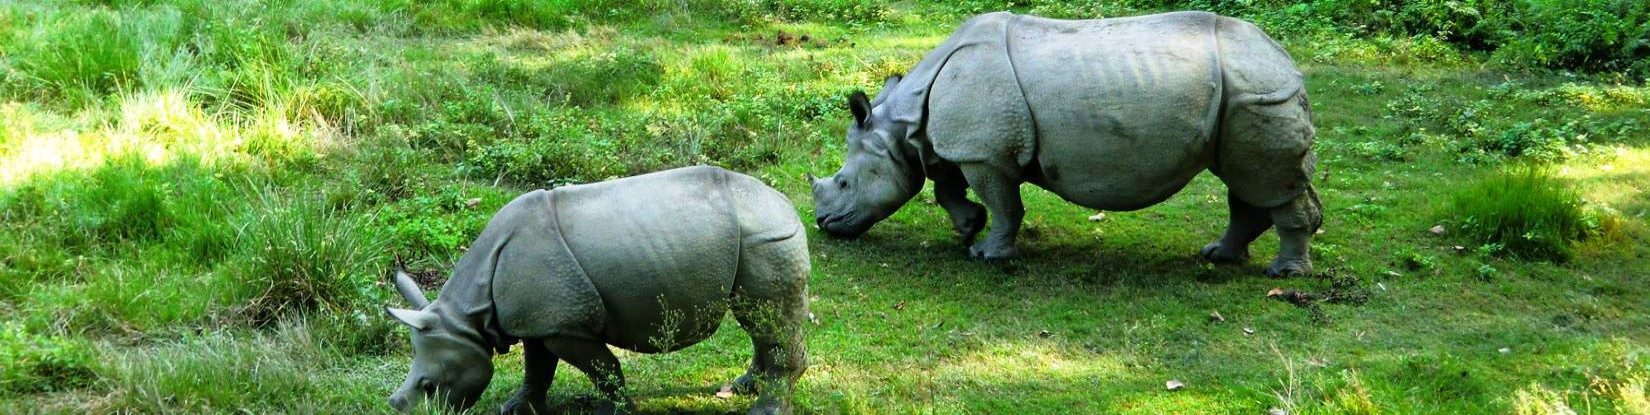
662	249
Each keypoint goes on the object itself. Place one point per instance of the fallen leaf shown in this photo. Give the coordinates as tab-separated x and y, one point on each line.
1216	317
900	305
1097	216
1174	385
725	392
813	319
1044	334
1248	331
1505	350
1274	292
472	202
1437	230
1276	411
1318	232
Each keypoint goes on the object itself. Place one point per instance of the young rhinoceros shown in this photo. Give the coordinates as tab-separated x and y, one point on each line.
1113	114
648	263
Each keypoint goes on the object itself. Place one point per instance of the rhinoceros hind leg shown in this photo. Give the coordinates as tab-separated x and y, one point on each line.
1246	222
597	362
540	371
1296	222
1001	195
771	303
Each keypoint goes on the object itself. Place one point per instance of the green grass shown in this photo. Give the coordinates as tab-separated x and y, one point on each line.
197	213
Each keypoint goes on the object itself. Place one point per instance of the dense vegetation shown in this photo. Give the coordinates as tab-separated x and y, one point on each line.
200	199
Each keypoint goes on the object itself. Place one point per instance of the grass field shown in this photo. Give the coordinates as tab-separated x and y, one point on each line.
200	201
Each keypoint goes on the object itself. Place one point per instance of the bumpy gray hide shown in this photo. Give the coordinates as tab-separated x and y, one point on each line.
649	263
1113	114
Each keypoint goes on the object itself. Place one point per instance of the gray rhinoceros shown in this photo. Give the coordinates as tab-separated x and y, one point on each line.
1113	114
648	263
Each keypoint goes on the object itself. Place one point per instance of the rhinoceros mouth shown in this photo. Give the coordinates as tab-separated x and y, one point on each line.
840	225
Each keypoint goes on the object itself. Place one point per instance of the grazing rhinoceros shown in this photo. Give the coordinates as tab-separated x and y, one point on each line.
648	263
1113	114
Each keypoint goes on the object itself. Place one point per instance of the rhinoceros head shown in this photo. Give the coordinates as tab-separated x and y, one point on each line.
879	173
447	364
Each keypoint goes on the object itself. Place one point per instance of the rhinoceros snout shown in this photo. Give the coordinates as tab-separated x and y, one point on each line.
399	403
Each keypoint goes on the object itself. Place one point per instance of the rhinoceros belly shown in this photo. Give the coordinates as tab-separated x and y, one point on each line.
661	249
1124	108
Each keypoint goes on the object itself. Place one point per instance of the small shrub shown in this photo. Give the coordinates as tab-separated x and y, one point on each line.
1526	211
304	256
33	363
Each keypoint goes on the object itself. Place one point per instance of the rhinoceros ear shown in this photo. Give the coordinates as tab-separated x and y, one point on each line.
888	87
418	320
861	108
409	289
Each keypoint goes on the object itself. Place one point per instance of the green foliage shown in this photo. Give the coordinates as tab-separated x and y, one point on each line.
1591	35
34	363
1526	211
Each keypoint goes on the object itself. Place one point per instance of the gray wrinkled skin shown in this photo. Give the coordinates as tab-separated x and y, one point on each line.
1112	114
648	263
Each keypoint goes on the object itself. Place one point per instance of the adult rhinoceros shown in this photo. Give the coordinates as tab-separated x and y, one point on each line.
649	263
1113	114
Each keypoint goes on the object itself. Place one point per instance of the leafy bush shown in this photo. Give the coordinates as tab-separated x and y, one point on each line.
1524	211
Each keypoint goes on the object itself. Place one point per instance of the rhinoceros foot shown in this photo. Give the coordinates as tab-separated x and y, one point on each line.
990	251
1287	267
744	385
1220	253
968	220
770	409
606	407
524	406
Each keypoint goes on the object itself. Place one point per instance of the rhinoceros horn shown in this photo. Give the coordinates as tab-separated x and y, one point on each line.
409	289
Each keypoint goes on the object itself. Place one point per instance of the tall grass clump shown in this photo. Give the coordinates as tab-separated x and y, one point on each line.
93	50
1523	211
303	256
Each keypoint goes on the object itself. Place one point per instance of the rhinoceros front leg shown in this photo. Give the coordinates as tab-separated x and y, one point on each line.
967	217
1296	221
540	371
1245	223
1001	195
597	363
